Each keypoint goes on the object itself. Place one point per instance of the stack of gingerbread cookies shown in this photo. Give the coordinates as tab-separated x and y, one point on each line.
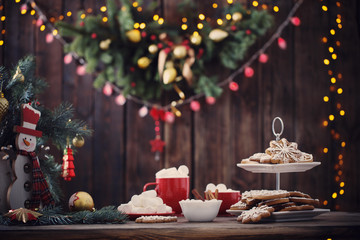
259	204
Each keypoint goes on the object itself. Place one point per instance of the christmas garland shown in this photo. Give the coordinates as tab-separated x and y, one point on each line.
146	58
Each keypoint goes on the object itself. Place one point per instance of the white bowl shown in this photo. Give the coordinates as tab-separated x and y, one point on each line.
200	211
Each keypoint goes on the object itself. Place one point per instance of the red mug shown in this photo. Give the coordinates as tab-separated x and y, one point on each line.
171	190
228	199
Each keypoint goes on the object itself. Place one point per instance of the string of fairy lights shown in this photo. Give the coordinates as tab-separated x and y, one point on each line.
44	23
332	43
2	19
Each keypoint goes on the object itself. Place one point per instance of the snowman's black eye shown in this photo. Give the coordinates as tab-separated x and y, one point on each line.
30	139
25	138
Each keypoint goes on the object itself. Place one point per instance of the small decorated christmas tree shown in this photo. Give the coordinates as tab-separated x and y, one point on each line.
20	87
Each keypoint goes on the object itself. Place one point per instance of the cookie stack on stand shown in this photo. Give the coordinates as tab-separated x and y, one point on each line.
260	204
280	156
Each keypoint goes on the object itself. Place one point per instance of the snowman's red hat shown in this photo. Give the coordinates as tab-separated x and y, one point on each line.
30	118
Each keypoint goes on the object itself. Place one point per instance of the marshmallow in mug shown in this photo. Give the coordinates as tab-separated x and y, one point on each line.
182	171
220	187
146	202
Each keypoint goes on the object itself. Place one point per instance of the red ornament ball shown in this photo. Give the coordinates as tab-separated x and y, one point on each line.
249	72
210	100
233	28
233	86
169	117
80	70
195	106
282	43
295	21
107	89
263	58
143	34
93	35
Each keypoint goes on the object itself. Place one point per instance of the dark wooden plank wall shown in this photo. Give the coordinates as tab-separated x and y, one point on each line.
116	161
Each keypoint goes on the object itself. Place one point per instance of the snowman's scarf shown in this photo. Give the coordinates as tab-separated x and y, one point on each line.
40	188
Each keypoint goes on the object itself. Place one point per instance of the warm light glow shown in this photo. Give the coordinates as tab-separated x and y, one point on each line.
341	192
342	112
42	28
333	80
82	16
32	12
325	202
104	19
334	195
228	16
200	25
324	8
255	3
276	9
184	19
337	178
142	25
161	21
135	4
339	26
3	31
214	5
156	17
334	56
332	32
340	156
136	25
55	32
331	49
342	184
325	150
325	123
233	86
338	20
230	1
340	172
324	40
2	18
103	9
1	42
184	26
340	91
338	43
341	162
69	14
201	16
139	9
17	1
331	117
195	33
326	61
219	21
343	144
326	98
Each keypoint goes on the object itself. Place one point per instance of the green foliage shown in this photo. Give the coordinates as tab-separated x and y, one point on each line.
118	62
56	216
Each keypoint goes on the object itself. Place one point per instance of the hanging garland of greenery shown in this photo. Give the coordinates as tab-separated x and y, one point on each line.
144	56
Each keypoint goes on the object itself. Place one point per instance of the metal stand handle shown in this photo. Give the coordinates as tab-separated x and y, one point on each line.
277	135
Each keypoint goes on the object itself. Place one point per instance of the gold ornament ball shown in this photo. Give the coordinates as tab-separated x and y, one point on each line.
143	62
153	49
169	64
81	201
134	35
104	45
237	16
4	106
195	39
78	141
179	52
169	75
217	35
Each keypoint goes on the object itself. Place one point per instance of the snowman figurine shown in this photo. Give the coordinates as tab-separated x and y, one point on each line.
29	188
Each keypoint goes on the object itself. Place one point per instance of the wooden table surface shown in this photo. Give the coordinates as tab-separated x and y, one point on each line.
334	225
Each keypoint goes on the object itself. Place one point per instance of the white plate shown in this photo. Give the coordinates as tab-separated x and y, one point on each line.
234	212
287	216
278	168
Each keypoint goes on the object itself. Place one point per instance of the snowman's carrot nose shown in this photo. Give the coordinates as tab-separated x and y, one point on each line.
27	143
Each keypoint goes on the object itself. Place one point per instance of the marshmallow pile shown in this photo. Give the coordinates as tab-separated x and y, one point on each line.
220	187
182	171
145	203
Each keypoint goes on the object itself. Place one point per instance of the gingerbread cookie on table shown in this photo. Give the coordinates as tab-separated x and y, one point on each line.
156	219
255	214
